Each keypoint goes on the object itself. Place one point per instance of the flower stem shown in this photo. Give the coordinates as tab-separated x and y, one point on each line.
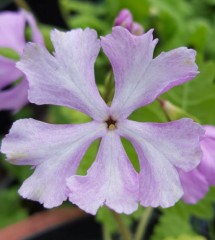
106	233
125	233
141	228
22	4
109	86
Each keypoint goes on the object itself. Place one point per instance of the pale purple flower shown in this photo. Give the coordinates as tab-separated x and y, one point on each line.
12	32
196	183
55	151
125	19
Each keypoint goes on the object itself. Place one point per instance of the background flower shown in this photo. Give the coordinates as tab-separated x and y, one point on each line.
13	28
196	183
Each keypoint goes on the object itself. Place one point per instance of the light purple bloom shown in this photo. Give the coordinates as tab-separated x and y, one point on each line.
196	183
125	19
12	32
67	78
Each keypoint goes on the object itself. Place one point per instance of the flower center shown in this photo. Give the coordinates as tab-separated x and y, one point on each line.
111	123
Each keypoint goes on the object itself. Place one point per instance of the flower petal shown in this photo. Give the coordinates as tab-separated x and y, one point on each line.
55	151
12	30
194	184
37	36
8	72
14	98
161	148
111	180
139	79
207	165
69	75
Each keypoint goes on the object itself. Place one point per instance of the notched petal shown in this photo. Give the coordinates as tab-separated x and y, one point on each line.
111	180
140	79
162	148
67	78
55	152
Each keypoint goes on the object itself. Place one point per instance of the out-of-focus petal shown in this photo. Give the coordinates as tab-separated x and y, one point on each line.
8	72
37	36
207	165
194	184
68	78
14	98
12	30
161	148
111	180
210	131
139	79
55	151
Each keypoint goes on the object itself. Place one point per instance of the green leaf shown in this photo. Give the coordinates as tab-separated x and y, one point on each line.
9	53
11	210
186	237
64	115
199	34
83	7
88	158
19	172
194	95
149	113
84	21
180	215
171	224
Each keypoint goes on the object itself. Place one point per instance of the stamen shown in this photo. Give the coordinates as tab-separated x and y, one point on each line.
111	127
111	123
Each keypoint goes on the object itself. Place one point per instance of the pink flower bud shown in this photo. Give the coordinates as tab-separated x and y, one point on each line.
137	29
124	19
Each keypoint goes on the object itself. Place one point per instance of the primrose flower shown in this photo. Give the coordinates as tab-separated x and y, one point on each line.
12	32
196	183
125	19
67	78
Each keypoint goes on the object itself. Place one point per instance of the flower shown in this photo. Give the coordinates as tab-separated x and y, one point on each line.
196	183
12	32
55	151
125	19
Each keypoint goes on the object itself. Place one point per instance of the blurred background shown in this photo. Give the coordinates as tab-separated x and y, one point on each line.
176	23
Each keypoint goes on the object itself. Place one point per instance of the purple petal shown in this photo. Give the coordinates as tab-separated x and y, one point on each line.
14	98
37	36
210	131
207	165
68	78
194	184
54	150
139	79
111	180
8	72
12	30
161	148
